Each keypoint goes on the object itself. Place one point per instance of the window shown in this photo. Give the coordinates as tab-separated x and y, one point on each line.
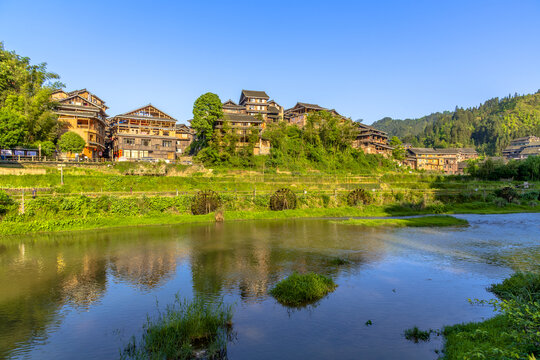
167	143
129	141
145	142
165	133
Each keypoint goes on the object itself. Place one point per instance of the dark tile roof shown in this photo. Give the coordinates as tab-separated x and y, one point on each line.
254	93
310	106
273	110
240	118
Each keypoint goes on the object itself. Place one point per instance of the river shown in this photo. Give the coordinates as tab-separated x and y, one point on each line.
82	295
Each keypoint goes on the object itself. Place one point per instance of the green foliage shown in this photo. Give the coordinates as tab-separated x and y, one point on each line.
489	127
508	193
302	289
12	129
184	328
47	147
71	142
206	110
525	170
6	203
25	100
514	334
398	152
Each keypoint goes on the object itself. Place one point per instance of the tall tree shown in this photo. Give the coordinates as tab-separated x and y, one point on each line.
206	110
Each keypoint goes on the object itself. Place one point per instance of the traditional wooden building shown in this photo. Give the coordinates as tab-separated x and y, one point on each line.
298	114
243	126
371	140
82	112
255	103
449	161
184	138
275	112
144	133
522	148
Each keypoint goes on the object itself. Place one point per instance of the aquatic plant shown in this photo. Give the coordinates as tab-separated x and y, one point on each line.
424	221
521	285
339	261
302	289
416	335
186	329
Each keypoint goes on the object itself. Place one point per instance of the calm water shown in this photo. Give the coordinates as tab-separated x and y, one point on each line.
83	295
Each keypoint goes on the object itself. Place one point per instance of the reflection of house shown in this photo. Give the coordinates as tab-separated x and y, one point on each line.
184	137
449	161
146	132
82	112
299	113
522	148
371	140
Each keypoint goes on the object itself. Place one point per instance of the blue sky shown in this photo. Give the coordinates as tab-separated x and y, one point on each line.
366	59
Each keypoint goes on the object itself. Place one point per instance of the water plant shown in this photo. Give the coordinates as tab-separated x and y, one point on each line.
338	261
185	330
424	221
302	289
416	335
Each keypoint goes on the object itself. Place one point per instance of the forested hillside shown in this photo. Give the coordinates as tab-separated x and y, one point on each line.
489	127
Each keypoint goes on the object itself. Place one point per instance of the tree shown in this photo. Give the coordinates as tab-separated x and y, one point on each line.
206	110
12	130
71	142
399	151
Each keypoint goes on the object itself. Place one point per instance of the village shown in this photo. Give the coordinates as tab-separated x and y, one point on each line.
150	134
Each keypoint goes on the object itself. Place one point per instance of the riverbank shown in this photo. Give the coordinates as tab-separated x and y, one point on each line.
424	221
63	222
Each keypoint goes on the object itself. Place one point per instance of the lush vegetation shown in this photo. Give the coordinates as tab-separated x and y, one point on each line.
526	170
26	116
424	221
514	334
489	127
302	289
71	142
185	329
416	335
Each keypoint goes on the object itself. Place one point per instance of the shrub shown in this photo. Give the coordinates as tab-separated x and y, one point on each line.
508	193
5	203
522	285
302	289
184	330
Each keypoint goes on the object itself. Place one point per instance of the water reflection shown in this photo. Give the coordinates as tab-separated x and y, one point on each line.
45	278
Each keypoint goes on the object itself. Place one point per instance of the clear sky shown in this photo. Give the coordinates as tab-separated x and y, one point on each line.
366	59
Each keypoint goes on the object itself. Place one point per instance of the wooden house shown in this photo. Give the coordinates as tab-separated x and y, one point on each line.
371	140
184	138
255	103
243	125
522	148
144	133
298	114
275	112
448	161
82	112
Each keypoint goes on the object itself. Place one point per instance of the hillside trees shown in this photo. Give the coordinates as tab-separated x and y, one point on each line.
25	94
206	110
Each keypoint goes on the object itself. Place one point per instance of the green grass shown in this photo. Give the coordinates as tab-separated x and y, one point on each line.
302	289
424	221
184	329
513	334
521	285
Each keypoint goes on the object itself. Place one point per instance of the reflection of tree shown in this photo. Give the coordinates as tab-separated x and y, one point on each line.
251	256
147	265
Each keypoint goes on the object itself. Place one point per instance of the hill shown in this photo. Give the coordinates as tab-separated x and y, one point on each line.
489	127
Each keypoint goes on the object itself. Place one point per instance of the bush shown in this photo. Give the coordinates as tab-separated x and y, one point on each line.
302	289
184	329
508	193
522	285
6	203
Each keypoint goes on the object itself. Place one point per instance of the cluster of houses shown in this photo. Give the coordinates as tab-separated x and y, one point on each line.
522	148
149	133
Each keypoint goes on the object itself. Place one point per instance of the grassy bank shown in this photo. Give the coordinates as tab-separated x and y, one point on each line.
513	334
425	221
66	218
